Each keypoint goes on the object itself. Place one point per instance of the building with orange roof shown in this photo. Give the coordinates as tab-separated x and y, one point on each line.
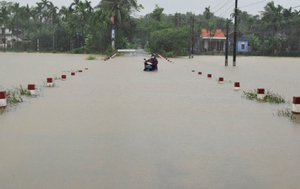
213	41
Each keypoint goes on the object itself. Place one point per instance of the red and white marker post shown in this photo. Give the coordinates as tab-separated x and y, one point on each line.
50	82
3	102
165	58
296	105
110	57
221	80
237	86
31	88
260	93
63	77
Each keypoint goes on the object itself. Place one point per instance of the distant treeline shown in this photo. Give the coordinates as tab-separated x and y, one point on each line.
80	28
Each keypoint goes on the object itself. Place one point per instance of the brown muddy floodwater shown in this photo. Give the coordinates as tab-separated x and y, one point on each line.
114	126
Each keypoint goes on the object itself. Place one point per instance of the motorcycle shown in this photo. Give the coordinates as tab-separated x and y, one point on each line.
148	66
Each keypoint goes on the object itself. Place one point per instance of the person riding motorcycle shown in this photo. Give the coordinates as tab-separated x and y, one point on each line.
152	61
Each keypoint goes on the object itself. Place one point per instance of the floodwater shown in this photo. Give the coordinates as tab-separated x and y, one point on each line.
114	126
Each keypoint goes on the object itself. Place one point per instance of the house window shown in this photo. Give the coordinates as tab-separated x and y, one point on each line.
243	45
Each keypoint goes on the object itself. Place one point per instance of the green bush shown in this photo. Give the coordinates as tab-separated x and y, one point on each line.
168	54
173	40
269	97
287	112
80	50
22	46
110	52
91	58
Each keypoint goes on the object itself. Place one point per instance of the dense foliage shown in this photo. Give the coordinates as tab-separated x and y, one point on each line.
80	28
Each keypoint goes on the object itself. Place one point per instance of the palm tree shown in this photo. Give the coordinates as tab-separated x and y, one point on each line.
81	13
157	13
75	3
67	17
4	16
14	24
64	13
38	17
26	15
296	24
272	16
119	10
54	18
208	15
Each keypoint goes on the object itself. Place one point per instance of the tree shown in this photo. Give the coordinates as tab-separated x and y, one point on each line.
4	16
173	41
254	41
14	23
54	18
272	16
208	15
157	13
63	13
119	11
26	15
212	31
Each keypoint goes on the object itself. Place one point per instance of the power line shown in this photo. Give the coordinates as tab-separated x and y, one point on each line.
266	31
273	24
252	4
225	4
227	10
217	4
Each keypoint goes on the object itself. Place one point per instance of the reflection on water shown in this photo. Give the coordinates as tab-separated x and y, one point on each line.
115	126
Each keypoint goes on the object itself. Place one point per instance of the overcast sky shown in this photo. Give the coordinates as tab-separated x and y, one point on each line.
221	8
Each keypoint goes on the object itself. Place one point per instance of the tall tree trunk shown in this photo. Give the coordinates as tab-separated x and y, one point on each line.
53	26
53	42
17	38
298	44
264	45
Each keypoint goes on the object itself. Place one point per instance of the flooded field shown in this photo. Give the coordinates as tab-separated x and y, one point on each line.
114	126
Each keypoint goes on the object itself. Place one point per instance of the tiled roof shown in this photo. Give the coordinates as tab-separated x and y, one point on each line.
218	33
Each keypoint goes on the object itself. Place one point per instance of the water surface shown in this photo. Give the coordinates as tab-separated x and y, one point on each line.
115	126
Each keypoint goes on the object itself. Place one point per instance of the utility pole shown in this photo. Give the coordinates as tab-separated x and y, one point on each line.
113	37
226	43
4	37
113	33
235	24
193	28
37	45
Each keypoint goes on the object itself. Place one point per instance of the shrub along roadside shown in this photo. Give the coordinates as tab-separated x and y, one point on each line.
269	97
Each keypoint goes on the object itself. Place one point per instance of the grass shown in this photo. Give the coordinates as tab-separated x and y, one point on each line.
250	95
91	58
269	97
23	91
53	85
287	113
14	96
